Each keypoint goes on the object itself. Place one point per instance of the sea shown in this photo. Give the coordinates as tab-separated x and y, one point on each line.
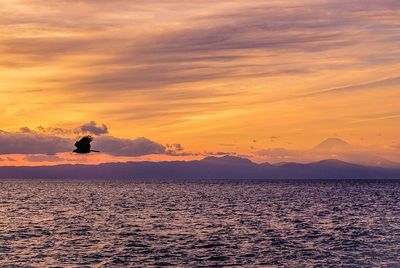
199	223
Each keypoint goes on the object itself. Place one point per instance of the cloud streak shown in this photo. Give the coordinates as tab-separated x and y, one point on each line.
211	46
179	70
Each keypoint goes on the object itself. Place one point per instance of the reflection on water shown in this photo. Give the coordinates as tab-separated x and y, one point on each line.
208	223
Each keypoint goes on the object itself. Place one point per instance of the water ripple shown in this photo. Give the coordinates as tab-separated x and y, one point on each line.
208	223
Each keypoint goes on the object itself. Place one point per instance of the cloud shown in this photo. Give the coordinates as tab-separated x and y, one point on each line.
7	159
26	130
41	144
388	82
226	144
127	147
54	131
48	144
220	153
29	143
47	131
92	128
88	128
238	39
198	47
279	154
43	158
176	150
196	59
273	138
213	47
396	146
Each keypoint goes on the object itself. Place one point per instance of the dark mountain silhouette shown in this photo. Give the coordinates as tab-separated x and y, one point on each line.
227	167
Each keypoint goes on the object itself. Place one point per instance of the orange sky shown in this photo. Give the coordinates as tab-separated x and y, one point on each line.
239	77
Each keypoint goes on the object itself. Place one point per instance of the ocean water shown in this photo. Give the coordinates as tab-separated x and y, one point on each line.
199	224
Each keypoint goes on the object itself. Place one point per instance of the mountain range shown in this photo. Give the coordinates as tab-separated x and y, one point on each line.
226	167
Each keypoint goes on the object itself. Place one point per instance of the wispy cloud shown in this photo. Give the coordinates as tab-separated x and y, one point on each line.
179	69
43	158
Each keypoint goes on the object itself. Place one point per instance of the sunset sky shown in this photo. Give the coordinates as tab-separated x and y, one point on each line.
165	80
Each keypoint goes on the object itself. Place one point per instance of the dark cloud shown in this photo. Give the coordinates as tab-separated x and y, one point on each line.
177	150
178	147
29	143
92	128
126	147
26	130
42	144
88	128
174	147
267	27
47	131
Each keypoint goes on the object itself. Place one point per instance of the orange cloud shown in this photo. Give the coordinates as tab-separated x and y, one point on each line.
204	73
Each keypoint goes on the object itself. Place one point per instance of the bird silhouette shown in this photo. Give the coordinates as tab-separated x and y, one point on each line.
83	145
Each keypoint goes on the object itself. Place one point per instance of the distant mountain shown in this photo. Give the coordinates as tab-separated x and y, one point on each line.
350	153
374	160
332	144
227	160
227	167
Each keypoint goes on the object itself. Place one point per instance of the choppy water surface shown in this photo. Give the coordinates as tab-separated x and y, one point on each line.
208	223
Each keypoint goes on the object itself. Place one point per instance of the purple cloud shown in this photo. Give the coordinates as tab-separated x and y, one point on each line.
92	128
29	143
127	147
42	144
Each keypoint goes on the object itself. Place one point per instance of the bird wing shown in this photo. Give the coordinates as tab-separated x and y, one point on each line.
84	143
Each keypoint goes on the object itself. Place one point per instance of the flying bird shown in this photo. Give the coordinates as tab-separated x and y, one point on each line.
83	145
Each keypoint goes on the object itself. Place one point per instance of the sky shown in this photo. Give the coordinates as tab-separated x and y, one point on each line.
178	80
